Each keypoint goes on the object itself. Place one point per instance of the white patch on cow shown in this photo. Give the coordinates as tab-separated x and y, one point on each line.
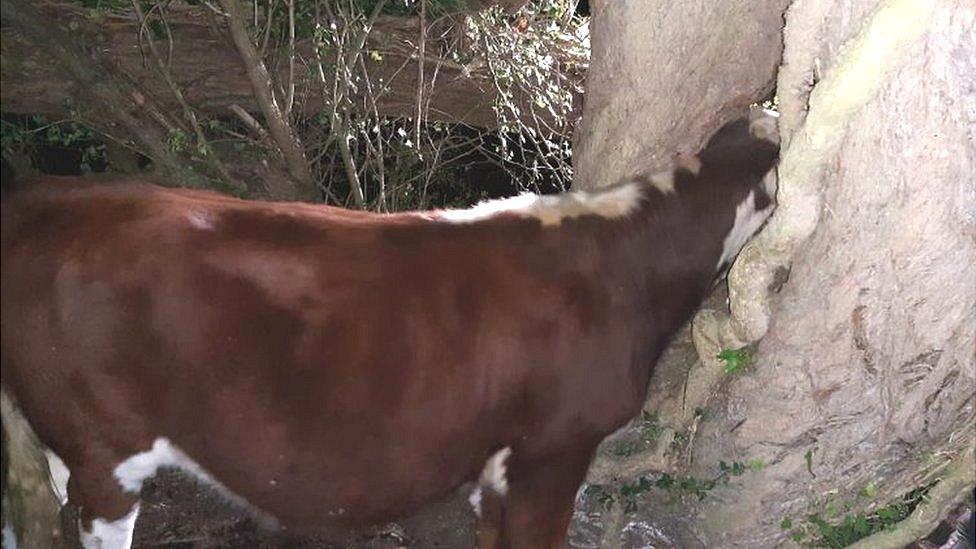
133	471
771	183
493	475
492	478
663	180
9	537
201	220
610	203
747	221
116	534
475	500
59	476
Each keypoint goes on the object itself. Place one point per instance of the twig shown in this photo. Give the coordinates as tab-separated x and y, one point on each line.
279	127
290	101
421	50
249	121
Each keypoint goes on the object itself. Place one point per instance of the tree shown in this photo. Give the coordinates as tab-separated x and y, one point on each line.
856	304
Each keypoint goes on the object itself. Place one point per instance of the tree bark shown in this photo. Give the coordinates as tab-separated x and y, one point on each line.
280	128
30	507
665	75
206	66
864	371
868	364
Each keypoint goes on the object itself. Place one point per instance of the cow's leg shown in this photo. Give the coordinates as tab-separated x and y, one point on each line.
528	503
108	514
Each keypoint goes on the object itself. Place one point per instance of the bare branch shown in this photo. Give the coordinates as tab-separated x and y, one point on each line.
279	127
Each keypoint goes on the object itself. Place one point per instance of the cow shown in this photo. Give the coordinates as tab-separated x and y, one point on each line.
332	368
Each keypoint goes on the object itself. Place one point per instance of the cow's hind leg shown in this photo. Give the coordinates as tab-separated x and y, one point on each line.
108	513
528	503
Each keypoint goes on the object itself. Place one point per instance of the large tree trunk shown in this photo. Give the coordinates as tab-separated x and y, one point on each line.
863	383
664	75
868	363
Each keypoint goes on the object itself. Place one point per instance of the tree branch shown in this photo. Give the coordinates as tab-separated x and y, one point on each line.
98	87
279	127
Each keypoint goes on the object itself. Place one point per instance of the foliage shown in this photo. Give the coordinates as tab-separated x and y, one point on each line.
34	136
398	163
359	155
531	84
649	429
629	493
830	529
735	360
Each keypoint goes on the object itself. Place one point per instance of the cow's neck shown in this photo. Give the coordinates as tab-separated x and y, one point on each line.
668	258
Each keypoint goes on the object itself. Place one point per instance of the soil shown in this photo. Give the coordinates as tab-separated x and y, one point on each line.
179	513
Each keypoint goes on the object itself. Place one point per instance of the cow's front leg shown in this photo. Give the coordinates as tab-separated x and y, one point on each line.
108	510
527	503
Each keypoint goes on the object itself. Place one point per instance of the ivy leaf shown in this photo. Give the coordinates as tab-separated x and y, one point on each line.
735	359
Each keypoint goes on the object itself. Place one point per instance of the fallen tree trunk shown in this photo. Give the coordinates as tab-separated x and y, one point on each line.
204	63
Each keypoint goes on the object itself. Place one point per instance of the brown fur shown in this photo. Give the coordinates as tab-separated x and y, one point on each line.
341	368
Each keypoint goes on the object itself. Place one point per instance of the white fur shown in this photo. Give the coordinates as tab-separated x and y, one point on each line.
610	203
492	478
764	124
475	500
59	476
201	220
747	221
134	470
493	475
664	180
116	534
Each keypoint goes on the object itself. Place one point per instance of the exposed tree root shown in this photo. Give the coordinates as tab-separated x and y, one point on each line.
953	487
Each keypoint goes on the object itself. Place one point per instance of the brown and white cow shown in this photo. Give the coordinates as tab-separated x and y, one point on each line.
325	367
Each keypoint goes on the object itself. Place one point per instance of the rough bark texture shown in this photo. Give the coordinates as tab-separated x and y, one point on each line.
867	365
869	362
30	508
665	75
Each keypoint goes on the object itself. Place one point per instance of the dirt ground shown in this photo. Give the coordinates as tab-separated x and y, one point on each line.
179	513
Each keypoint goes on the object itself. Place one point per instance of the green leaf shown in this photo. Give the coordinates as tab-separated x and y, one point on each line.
735	359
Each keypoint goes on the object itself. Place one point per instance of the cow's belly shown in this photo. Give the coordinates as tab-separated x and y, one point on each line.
315	484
